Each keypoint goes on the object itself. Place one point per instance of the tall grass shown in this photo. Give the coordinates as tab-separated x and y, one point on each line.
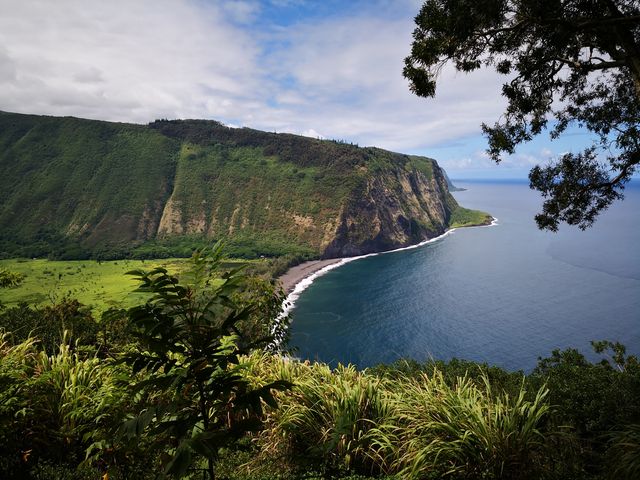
80	390
326	417
464	430
54	406
412	427
624	453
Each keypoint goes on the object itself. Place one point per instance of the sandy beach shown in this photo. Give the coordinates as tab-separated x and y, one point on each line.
298	273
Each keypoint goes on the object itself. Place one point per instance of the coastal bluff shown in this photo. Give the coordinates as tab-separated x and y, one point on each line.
78	187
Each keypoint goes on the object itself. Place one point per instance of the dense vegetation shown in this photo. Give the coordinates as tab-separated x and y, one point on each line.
67	180
464	217
84	189
566	63
182	383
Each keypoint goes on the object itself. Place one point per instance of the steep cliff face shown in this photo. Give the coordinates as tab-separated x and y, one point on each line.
394	209
114	187
382	201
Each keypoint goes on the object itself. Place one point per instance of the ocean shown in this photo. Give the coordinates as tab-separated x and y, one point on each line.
505	294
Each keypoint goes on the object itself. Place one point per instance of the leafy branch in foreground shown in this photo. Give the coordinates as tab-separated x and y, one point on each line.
190	346
569	62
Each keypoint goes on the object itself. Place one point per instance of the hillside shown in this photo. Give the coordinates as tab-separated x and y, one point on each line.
73	188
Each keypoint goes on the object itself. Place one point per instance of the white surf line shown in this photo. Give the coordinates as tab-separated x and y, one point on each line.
289	303
306	282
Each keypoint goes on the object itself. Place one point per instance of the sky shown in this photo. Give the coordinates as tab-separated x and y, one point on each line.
329	69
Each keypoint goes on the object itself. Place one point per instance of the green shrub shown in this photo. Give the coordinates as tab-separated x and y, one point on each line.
189	346
10	279
412	426
50	323
53	407
464	431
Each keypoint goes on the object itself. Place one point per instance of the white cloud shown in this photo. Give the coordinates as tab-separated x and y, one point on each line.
89	75
479	159
312	133
520	161
120	60
349	73
240	11
137	61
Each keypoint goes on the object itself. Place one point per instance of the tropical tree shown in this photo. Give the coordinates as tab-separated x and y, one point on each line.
190	345
568	62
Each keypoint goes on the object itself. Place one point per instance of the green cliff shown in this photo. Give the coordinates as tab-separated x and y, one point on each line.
73	187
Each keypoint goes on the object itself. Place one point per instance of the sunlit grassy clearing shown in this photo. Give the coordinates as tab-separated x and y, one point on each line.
465	217
100	285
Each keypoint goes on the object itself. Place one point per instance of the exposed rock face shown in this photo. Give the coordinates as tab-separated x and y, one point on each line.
400	205
102	185
171	220
394	210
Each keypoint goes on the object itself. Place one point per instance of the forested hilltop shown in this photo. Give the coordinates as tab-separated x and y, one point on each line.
76	188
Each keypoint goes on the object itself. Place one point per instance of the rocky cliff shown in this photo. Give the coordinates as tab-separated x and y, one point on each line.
77	187
393	209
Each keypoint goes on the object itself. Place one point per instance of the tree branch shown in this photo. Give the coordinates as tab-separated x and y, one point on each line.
590	66
609	21
623	173
513	27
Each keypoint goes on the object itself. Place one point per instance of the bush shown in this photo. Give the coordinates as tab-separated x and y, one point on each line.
414	427
189	346
463	431
53	406
49	324
327	417
624	453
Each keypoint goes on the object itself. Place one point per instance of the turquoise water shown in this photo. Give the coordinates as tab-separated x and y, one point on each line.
505	295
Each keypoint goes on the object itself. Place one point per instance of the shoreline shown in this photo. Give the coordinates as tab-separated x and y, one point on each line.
300	277
295	277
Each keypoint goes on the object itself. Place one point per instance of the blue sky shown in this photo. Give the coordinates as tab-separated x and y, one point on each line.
327	69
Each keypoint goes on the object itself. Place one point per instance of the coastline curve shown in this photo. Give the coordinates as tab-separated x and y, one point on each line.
300	286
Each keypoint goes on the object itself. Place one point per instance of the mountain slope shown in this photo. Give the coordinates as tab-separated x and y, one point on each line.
76	187
97	182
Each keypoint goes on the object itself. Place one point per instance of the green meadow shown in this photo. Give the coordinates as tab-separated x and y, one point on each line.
464	217
100	285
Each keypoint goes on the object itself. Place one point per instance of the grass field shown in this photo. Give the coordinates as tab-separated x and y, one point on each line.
464	217
99	285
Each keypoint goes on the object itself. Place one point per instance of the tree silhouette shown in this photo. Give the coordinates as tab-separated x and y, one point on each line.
568	62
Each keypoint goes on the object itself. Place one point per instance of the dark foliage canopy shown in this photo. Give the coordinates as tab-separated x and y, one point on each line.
567	62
